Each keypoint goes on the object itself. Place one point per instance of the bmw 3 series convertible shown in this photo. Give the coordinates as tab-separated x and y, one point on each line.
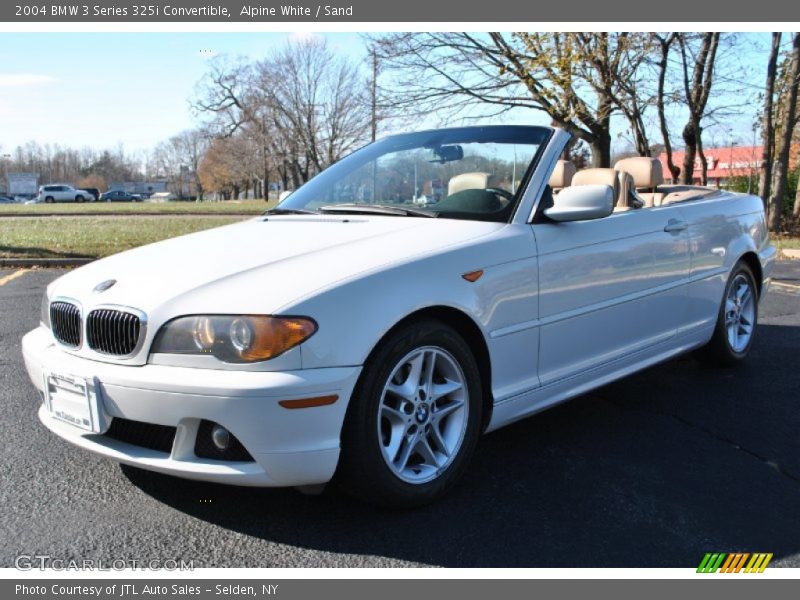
424	290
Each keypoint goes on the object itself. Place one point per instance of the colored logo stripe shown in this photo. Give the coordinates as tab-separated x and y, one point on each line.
734	562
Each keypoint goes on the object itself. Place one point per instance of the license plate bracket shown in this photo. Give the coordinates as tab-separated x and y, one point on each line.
76	400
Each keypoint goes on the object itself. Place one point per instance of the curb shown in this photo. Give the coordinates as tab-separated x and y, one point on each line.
791	253
44	262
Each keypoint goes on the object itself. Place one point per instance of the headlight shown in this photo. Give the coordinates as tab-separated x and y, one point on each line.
233	338
44	315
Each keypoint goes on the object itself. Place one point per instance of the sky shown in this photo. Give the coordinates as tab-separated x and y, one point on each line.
104	90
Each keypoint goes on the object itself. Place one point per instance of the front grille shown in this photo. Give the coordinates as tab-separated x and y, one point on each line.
146	435
113	331
65	320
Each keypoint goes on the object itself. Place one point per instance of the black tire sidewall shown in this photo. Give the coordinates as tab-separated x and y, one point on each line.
362	468
719	351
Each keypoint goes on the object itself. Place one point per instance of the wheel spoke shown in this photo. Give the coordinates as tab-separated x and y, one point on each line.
394	415
401	459
438	440
415	375
444	389
443	411
427	453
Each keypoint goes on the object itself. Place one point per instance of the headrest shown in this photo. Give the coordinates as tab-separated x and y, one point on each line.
646	171
562	175
467	181
596	177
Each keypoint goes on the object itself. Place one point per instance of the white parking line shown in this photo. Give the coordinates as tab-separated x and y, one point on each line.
13	276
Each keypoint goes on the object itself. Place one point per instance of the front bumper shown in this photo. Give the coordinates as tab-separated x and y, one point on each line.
290	447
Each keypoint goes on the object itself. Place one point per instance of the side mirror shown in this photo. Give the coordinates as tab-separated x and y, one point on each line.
582	203
285	194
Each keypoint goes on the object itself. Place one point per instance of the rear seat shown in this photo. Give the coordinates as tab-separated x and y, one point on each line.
648	177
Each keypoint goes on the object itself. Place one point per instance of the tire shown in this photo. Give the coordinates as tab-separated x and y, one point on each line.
403	450
736	322
78	198
49	200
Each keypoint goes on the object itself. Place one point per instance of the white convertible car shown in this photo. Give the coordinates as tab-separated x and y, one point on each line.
426	289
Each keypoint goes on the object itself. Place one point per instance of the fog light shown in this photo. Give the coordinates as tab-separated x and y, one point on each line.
221	437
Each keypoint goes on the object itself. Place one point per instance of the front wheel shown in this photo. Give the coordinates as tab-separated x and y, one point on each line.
414	418
736	321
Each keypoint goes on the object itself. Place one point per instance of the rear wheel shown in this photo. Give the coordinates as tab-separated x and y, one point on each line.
736	321
49	199
414	418
78	198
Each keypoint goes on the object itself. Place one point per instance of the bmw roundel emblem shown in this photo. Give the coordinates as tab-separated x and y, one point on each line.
104	285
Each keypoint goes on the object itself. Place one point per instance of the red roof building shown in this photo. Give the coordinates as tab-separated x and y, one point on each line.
737	161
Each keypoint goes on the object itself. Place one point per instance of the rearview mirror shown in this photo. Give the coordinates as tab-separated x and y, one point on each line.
582	203
445	154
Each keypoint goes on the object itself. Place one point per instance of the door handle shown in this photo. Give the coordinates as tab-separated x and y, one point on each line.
675	226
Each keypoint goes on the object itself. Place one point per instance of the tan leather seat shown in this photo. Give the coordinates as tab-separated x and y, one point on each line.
618	181
562	175
467	181
647	175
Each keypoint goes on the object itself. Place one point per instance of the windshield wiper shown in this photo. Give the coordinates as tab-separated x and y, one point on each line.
289	211
378	209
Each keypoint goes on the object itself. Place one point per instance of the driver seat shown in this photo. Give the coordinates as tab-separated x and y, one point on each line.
467	181
619	181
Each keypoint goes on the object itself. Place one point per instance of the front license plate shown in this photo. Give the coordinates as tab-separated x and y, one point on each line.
74	400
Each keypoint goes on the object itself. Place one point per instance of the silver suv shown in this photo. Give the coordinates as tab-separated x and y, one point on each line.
62	192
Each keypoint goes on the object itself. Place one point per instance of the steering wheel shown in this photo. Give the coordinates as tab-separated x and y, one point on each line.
505	194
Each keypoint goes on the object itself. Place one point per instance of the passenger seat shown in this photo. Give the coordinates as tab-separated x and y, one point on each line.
620	182
647	175
562	175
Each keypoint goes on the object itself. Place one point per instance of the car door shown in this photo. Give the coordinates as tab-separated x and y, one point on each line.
608	288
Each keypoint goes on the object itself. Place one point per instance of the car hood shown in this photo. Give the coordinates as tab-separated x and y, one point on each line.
262	265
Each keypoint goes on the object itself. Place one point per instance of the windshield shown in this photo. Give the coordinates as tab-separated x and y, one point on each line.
466	173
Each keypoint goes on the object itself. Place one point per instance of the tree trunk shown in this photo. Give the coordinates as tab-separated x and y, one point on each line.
663	64
690	154
781	167
767	131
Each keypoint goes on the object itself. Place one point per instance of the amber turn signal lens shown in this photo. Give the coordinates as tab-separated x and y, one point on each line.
275	335
309	402
473	276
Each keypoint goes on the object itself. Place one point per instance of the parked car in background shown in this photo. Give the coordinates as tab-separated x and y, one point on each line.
95	193
120	196
349	332
163	197
61	192
7	200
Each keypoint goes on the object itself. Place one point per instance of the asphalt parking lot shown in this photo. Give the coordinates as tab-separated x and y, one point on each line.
652	471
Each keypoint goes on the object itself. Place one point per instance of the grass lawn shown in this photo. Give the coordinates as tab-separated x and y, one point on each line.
785	242
239	206
68	237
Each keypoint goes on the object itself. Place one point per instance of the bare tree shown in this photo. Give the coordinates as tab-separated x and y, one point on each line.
665	43
786	125
578	79
303	107
698	60
767	129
